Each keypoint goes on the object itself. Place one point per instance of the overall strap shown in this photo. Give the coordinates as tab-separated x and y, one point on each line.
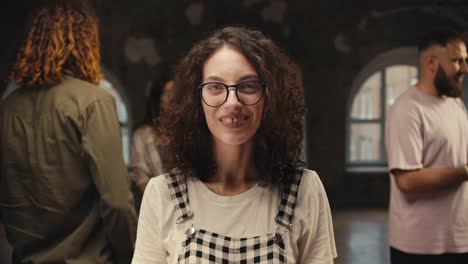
289	193
177	184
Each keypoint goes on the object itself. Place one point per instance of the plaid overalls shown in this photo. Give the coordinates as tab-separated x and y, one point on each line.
202	246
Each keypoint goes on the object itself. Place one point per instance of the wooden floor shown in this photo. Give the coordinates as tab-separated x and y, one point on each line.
361	237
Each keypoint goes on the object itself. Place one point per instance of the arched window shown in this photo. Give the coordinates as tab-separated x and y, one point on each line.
374	91
111	84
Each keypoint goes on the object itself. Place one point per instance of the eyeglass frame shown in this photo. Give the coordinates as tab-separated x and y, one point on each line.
235	86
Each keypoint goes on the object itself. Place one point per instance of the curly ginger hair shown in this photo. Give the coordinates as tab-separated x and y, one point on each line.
63	35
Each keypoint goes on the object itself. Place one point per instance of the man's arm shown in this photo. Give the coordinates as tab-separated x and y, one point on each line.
404	144
102	144
429	179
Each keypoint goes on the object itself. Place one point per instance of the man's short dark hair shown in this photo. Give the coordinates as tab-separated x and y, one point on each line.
441	36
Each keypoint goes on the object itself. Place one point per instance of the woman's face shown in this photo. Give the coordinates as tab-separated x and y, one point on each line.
166	92
232	123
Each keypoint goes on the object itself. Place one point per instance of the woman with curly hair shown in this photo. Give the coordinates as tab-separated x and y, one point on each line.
239	192
64	190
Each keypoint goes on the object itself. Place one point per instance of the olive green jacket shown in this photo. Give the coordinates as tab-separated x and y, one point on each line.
64	190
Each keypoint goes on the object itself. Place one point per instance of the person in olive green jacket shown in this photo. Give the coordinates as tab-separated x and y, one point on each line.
64	190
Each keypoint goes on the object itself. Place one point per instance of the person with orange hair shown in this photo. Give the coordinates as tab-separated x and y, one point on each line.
64	191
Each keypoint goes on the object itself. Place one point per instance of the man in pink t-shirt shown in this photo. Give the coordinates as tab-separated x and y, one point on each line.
427	149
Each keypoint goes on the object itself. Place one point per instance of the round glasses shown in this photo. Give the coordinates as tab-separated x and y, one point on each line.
215	94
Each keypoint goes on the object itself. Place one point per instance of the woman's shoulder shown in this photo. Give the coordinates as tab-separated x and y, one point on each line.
311	189
144	133
310	179
143	130
158	186
157	207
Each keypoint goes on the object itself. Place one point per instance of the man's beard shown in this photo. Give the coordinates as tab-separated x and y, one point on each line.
447	86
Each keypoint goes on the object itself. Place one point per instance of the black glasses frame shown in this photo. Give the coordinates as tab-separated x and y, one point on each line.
235	86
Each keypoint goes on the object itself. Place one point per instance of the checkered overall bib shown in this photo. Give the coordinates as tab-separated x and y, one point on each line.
203	246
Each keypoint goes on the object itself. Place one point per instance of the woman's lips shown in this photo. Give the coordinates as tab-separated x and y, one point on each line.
234	121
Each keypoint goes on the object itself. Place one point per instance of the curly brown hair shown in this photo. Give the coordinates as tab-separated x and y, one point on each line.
63	35
278	140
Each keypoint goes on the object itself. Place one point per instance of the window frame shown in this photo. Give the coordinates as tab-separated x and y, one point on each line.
400	56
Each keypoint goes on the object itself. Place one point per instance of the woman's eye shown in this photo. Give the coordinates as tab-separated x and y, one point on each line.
215	86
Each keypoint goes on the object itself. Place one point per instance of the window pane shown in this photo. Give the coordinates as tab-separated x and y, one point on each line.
398	79
365	142
122	115
126	145
366	103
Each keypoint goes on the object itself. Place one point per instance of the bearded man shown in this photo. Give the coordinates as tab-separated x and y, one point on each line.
427	148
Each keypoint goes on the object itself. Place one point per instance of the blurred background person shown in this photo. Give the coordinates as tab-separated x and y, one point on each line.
150	153
64	191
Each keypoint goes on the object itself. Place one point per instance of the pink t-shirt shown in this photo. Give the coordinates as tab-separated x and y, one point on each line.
423	131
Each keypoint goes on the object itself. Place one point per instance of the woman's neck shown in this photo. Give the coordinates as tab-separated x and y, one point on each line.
235	169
